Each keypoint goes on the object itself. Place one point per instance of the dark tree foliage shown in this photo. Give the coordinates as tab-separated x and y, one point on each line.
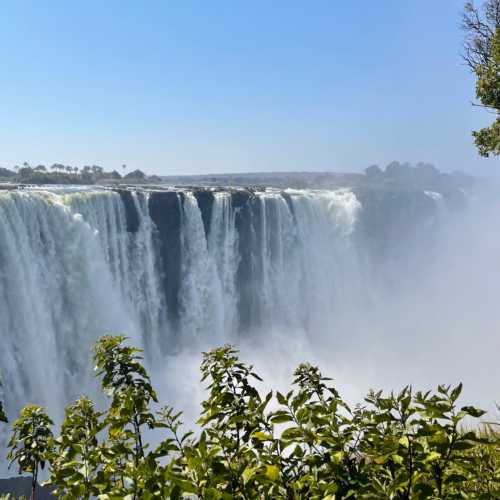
135	175
482	55
480	28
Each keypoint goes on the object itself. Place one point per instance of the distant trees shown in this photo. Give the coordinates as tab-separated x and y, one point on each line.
97	170
59	167
373	171
59	173
6	173
136	175
25	171
482	55
421	176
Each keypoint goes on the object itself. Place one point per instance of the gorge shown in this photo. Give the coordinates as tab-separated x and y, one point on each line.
347	276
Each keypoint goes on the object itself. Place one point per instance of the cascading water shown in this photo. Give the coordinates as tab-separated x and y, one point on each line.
57	294
172	269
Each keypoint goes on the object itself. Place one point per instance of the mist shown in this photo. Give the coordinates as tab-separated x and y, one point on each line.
429	318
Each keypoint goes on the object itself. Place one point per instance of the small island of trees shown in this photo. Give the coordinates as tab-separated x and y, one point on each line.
58	173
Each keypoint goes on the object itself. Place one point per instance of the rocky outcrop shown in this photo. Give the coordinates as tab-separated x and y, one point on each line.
130	210
205	199
19	487
165	211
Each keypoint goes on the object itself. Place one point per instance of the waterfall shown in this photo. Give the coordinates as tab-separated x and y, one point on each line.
172	269
201	293
223	250
58	294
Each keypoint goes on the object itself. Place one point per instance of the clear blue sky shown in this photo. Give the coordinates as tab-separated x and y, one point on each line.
227	86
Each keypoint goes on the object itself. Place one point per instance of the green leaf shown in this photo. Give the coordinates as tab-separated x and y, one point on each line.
272	472
432	457
291	433
262	436
404	441
248	473
281	399
472	411
455	393
282	418
455	478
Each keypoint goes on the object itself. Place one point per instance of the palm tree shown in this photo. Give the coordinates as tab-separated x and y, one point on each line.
97	170
57	166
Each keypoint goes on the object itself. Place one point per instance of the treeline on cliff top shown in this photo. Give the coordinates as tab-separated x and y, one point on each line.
67	174
395	175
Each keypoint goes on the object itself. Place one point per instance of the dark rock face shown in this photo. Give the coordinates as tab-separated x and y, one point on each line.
19	487
248	221
392	222
131	214
205	201
165	211
286	196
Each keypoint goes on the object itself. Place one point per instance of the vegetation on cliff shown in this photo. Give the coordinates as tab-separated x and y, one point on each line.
66	174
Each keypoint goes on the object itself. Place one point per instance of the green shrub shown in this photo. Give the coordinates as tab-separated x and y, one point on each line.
312	446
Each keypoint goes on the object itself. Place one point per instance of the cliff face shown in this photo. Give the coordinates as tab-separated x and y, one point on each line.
391	219
165	209
191	266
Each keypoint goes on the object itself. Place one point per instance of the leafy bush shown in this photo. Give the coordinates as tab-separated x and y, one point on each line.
31	442
312	446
